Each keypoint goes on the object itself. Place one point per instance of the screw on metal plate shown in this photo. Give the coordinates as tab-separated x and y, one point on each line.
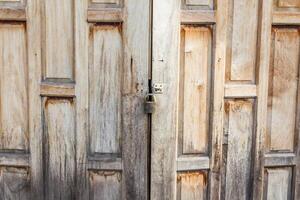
157	88
150	102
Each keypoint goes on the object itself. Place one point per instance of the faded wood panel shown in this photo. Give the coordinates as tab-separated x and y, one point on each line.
105	73
239	116
59	152
289	3
219	67
283	89
244	39
13	88
14	184
191	186
58	39
194	96
278	184
105	185
198	2
165	70
135	136
105	1
263	62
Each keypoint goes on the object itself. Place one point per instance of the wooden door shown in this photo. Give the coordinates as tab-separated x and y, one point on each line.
73	77
228	120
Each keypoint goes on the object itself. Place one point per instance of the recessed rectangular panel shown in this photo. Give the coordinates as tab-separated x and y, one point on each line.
105	185
58	37
244	40
105	1
289	3
283	89
105	76
194	97
239	116
191	186
278	184
59	148
197	2
14	184
13	88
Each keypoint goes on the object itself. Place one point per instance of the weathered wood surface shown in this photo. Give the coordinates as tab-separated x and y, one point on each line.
58	39
278	184
195	84
105	76
89	61
192	186
59	148
283	89
243	40
239	127
165	70
13	88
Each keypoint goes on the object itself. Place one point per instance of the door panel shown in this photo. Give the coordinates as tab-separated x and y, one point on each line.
74	75
233	91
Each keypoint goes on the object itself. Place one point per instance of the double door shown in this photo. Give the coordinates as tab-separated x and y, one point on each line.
73	80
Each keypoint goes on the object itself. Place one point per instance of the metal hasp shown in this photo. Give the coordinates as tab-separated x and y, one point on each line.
150	103
158	88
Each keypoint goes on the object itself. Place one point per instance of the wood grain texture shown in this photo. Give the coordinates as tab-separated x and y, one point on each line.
34	45
12	14
105	76
221	33
289	3
58	39
263	63
105	1
244	39
165	69
81	54
194	96
286	18
283	89
105	185
239	119
59	149
191	186
13	88
278	184
136	64
14	184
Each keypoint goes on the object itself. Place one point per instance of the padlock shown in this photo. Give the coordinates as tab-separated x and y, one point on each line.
150	103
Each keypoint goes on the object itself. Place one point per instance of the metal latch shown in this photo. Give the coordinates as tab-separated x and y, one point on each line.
150	102
157	88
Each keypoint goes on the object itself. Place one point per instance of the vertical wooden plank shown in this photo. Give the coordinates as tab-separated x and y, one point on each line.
82	97
195	89
244	40
105	75
283	89
240	116
34	33
14	184
278	184
264	46
165	63
191	186
58	47
105	185
136	44
59	142
218	101
13	88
